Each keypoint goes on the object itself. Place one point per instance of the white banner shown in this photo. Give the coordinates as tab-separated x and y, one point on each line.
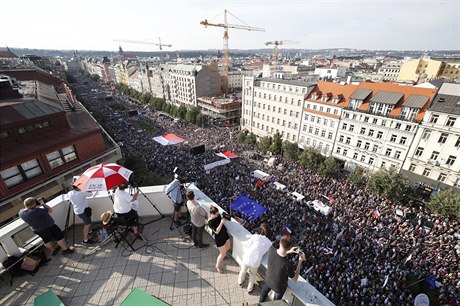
216	164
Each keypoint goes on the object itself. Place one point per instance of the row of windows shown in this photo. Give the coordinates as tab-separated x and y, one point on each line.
30	169
449	122
317	132
322	109
316	144
33	127
427	172
279	99
318	120
283	123
281	87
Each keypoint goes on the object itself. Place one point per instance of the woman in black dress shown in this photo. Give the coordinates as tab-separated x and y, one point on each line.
216	223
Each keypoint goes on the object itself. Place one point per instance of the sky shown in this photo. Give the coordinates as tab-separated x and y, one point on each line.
314	24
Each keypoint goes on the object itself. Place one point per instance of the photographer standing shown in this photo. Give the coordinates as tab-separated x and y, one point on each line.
198	217
79	201
42	224
254	249
217	224
280	269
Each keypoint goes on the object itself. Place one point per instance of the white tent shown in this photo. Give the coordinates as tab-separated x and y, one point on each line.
298	197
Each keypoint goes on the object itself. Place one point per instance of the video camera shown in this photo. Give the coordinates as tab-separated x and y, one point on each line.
226	216
39	201
135	182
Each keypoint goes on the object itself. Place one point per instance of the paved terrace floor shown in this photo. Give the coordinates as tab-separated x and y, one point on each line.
169	270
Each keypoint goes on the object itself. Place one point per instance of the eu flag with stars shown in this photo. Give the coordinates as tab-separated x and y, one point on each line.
249	208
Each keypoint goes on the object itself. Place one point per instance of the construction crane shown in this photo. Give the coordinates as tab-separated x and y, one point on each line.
159	44
227	26
275	49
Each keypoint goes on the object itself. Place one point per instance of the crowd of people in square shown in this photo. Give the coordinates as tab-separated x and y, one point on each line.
361	254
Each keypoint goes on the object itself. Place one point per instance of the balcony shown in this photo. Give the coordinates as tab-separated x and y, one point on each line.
168	268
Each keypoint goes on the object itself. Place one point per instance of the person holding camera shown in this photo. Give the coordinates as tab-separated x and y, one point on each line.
217	224
42	224
125	206
198	218
254	249
79	201
280	268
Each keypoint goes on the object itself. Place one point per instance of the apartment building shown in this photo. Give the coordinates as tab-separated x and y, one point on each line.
420	70
225	111
390	71
46	138
321	115
434	158
451	69
273	105
184	83
378	126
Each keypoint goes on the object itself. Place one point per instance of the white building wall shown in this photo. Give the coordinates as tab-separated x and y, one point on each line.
443	166
270	106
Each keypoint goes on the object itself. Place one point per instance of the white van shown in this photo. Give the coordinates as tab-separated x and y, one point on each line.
279	186
320	207
260	175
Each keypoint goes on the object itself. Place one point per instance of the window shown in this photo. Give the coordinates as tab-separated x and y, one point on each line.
457	144
403	140
366	145
382	165
358	144
20	173
434	155
442	177
371	133
344	127
363	158
434	118
329	135
348	140
374	121
451	160
388	152
393	138
397	154
310	129
412	167
316	131
426	134
398	126
341	138
345	151
355	155
352	128
375	148
426	172
371	161
443	138
338	150
323	133
379	135
363	131
419	151
451	121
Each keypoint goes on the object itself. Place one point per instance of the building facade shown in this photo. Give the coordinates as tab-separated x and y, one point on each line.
390	71
273	105
420	70
434	158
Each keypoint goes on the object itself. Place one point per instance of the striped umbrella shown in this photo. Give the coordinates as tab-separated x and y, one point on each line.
102	177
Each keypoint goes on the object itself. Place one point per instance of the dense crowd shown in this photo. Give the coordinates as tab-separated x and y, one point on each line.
361	254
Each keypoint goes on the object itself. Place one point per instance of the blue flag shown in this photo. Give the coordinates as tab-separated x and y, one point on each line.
249	208
431	280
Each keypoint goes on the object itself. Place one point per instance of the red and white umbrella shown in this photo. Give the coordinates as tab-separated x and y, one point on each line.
102	177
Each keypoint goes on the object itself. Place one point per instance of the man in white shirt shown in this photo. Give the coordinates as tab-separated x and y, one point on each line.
79	201
254	249
124	206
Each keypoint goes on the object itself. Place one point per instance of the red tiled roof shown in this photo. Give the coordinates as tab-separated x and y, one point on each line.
335	90
405	90
7	54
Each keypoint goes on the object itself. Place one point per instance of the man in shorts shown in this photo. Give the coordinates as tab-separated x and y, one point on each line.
79	201
42	224
174	191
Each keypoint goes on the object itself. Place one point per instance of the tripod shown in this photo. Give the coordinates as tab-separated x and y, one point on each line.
66	226
154	206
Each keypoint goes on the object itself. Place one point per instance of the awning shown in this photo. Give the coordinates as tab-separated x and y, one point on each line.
168	139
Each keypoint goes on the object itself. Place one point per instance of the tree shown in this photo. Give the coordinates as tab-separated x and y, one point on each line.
329	167
388	183
290	150
189	117
264	143
95	77
277	144
182	112
446	203
311	158
251	139
199	119
358	176
241	137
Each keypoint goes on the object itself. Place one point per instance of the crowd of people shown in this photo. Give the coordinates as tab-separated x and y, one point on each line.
361	254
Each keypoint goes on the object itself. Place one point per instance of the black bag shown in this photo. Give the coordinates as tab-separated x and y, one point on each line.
88	212
13	264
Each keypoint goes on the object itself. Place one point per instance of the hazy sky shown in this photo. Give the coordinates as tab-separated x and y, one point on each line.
363	24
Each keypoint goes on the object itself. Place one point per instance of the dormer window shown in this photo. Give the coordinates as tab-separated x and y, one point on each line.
409	113
324	99
314	96
336	100
355	104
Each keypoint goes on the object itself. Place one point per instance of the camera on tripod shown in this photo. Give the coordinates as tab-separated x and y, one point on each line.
135	182
226	216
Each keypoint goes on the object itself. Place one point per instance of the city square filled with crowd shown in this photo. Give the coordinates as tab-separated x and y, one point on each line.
355	256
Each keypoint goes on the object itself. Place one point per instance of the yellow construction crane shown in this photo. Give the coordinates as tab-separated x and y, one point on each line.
227	26
159	44
275	49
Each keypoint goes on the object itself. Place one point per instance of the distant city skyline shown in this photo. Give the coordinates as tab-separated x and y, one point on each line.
359	24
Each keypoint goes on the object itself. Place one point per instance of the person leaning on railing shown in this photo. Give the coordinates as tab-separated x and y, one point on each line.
42	224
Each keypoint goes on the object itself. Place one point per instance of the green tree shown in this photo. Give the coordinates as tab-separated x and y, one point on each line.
388	183
277	145
446	203
329	167
182	112
199	119
290	150
251	139
241	137
358	177
264	143
311	158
